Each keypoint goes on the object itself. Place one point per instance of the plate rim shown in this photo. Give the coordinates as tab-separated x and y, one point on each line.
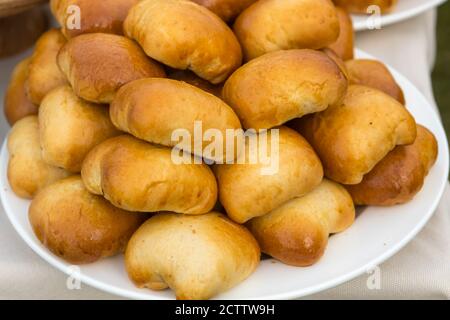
396	17
124	293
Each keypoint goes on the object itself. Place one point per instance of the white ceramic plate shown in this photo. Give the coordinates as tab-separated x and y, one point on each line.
377	234
404	10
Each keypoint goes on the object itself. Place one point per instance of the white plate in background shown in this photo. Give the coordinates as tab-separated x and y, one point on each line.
405	9
378	233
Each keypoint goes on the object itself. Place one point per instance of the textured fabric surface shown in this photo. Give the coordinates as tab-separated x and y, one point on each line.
420	270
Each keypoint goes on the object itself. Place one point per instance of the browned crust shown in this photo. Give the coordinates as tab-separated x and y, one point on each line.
17	105
344	45
98	64
374	74
78	226
96	16
400	175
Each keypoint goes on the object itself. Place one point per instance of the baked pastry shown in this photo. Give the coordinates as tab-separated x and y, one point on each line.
95	16
137	176
352	138
226	9
344	45
197	257
253	187
284	85
19	29
27	171
375	74
155	109
70	127
98	64
78	226
185	35
297	232
192	79
272	25
400	175
361	6
338	60
16	104
43	73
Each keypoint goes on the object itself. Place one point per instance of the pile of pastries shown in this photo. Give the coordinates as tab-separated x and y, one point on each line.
94	109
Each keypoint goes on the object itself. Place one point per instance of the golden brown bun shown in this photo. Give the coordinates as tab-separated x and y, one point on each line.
197	257
21	30
352	138
375	74
284	85
192	79
95	15
361	6
185	35
98	64
78	226
70	127
27	172
44	74
137	176
246	192
344	45
152	109
297	232
226	9
272	25
16	103
400	175
338	60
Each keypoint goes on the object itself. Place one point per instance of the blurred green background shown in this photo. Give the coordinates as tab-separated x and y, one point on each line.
441	73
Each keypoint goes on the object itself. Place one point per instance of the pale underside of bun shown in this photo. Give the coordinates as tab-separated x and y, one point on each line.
198	257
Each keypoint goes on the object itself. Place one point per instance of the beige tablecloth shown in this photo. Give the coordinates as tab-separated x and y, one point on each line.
420	270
